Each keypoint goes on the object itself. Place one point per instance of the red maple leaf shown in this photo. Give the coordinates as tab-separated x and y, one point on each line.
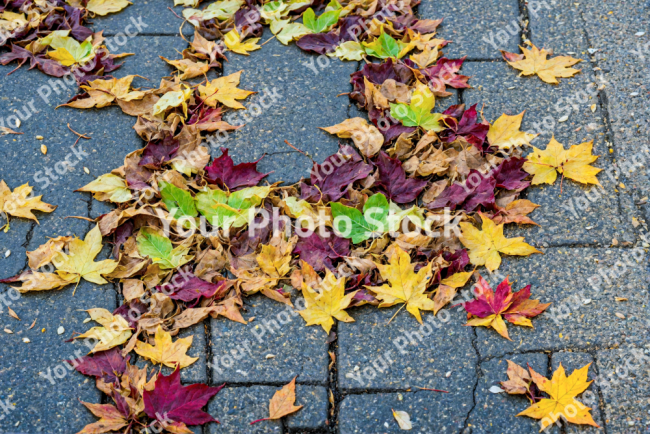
170	400
490	306
225	173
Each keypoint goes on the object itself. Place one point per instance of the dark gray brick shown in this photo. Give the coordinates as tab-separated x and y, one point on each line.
430	412
569	213
307	100
401	358
558	26
571	361
582	315
240	351
623	57
41	406
623	374
475	27
496	412
235	408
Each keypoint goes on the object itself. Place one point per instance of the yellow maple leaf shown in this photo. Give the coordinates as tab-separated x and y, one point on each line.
329	302
79	261
105	7
573	163
274	263
533	61
18	204
165	351
405	285
110	419
188	68
102	93
115	330
225	91
504	132
366	136
233	41
562	391
486	244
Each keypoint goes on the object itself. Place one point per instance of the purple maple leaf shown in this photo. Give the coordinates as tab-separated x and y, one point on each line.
319	252
393	181
225	173
464	123
179	403
338	171
108	365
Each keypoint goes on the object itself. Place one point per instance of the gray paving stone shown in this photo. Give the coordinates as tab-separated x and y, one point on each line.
240	351
407	355
558	26
583	313
151	18
431	412
313	416
475	28
571	361
307	100
567	215
496	412
623	58
39	405
623	379
236	407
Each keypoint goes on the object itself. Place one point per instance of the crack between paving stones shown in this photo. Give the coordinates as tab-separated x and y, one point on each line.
479	374
601	400
606	119
333	384
524	33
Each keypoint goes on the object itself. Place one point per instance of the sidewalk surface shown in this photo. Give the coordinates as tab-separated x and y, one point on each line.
376	368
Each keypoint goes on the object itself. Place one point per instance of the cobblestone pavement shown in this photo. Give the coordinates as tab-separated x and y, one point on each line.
588	237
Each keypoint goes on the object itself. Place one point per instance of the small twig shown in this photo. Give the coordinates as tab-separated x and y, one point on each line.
268	40
79	217
341	94
395	314
302	152
78	134
433	390
174	12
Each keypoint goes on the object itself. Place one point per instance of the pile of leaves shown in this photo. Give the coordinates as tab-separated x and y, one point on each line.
192	236
51	35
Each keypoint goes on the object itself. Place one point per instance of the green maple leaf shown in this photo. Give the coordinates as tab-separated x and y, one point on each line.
360	227
418	112
159	248
179	199
225	210
323	22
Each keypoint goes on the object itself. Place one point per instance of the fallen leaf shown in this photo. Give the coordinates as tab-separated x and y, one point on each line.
491	307
179	403
504	132
224	90
282	403
367	137
406	286
105	7
573	163
115	330
327	301
19	204
562	391
486	244
403	419
165	352
234	42
533	61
